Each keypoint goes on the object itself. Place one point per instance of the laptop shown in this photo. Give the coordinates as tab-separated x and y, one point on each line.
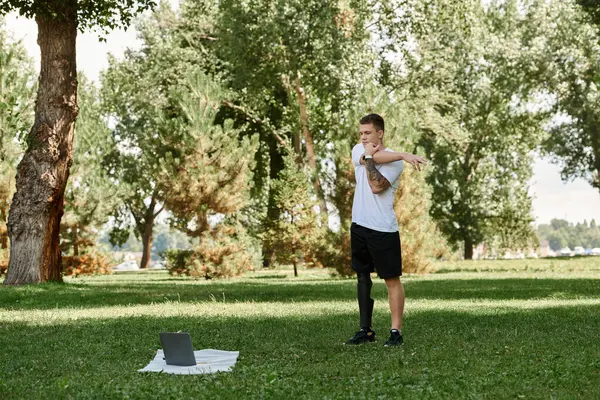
177	347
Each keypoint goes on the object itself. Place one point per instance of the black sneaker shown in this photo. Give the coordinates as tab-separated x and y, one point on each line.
362	336
395	339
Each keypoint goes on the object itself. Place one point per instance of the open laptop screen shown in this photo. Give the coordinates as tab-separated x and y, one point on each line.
178	349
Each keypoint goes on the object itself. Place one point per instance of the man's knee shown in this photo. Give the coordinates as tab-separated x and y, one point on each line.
364	277
364	280
392	282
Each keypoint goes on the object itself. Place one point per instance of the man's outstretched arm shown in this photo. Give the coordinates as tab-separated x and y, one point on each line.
377	181
386	157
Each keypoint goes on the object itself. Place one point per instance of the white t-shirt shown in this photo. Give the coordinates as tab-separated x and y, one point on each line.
375	211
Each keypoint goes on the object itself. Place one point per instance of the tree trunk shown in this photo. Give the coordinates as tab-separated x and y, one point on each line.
468	249
147	239
273	212
310	152
295	267
297	144
3	235
37	206
75	241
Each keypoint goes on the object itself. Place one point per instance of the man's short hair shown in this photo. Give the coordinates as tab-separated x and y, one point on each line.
374	119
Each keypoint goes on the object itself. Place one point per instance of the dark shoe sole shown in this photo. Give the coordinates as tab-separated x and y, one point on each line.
359	343
390	343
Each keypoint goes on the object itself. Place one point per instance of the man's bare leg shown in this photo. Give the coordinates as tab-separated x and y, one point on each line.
396	299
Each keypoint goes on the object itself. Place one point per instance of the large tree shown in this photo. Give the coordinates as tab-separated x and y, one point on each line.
37	206
572	76
474	109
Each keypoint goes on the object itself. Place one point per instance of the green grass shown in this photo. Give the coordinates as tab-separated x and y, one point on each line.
586	264
493	329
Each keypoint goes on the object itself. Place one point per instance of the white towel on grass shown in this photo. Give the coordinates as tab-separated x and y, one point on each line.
209	361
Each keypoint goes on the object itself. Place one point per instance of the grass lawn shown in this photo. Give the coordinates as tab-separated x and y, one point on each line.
495	330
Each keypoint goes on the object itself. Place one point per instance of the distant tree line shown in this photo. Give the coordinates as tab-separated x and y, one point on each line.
561	233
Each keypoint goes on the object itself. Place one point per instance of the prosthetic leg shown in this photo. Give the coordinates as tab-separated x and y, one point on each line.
365	302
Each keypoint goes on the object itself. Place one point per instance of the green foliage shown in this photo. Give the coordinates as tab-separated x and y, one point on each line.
330	249
178	261
465	86
212	177
88	264
268	44
105	14
291	234
136	94
4	254
16	114
291	65
592	8
571	75
119	239
17	85
118	236
89	195
560	233
473	107
222	253
166	238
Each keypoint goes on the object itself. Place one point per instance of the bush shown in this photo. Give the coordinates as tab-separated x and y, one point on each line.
4	254
222	253
177	261
331	250
87	264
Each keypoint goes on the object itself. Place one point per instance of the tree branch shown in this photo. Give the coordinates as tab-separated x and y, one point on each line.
159	211
254	118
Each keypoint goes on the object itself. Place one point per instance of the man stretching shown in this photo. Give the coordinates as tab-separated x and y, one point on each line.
374	235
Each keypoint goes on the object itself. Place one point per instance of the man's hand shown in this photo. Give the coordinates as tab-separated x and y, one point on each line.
371	149
416	161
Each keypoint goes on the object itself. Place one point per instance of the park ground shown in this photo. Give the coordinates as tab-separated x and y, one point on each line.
482	330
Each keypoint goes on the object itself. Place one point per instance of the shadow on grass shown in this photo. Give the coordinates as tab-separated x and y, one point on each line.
48	296
541	353
279	276
504	289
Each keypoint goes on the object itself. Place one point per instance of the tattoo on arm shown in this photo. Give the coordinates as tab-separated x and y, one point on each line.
377	181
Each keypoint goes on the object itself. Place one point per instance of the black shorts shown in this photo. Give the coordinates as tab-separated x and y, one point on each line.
375	251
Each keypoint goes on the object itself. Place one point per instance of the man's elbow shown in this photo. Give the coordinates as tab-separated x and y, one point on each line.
377	189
